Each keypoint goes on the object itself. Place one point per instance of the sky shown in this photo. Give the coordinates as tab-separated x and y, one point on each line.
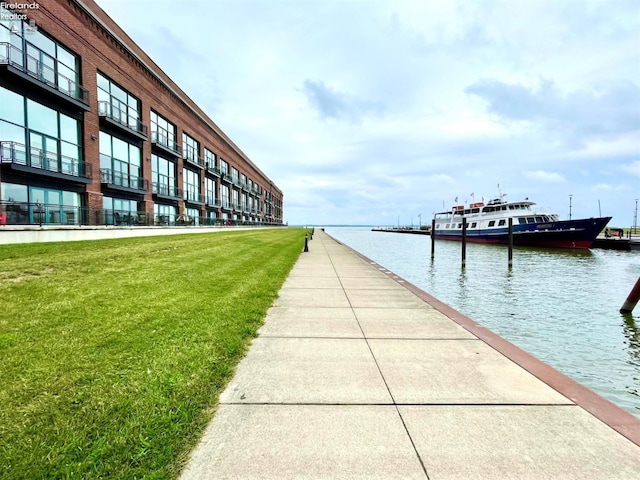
383	112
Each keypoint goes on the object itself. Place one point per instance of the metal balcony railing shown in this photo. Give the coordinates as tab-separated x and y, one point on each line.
19	59
166	190
122	118
164	141
19	154
119	179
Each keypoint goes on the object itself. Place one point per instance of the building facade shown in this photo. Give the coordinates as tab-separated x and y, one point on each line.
93	132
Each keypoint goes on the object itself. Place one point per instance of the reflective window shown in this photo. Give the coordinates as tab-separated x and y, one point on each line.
209	157
190	148
42	119
163	131
163	175
191	185
118	104
12	107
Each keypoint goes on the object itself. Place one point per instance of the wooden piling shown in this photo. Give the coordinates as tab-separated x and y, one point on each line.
433	238
632	299
464	242
510	242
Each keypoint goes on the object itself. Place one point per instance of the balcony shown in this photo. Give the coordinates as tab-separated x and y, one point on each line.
47	79
193	158
226	177
213	170
168	192
193	197
213	202
166	144
39	162
123	181
118	118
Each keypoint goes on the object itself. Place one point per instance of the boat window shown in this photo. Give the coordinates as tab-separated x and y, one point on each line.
531	220
459	225
539	219
473	225
492	223
447	225
501	223
504	208
522	220
511	207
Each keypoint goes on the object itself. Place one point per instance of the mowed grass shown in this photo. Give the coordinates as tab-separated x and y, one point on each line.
113	353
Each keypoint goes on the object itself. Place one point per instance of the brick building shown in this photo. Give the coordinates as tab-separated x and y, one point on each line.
93	132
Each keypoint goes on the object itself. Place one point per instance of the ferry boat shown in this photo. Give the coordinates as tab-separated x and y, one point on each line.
531	226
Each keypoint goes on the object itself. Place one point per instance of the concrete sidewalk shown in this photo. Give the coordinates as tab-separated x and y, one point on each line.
356	376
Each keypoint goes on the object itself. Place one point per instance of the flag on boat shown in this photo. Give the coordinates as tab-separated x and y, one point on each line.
455	199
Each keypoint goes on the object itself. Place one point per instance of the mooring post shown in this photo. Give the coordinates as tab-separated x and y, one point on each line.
464	242
433	238
632	299
306	243
510	242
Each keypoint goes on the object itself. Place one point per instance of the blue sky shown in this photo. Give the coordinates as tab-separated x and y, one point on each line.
376	112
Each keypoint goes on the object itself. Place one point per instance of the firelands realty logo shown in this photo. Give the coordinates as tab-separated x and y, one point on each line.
8	13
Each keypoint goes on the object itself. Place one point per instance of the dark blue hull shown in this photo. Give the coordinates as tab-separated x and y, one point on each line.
561	234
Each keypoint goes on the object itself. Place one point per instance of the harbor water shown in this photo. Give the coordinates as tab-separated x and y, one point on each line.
562	306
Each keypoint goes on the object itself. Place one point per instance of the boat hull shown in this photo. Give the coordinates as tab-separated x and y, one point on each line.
561	234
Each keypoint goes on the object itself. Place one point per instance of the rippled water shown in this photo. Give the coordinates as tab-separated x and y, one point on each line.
562	306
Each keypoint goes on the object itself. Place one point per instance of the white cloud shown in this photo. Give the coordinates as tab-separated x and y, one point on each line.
365	111
542	176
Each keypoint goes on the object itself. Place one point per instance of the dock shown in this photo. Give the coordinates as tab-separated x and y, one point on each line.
356	373
415	231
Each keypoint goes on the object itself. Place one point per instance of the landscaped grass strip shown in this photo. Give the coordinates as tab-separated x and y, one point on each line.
113	353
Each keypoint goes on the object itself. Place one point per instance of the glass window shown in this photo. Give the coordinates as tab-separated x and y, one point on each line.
162	131
42	119
68	129
11	133
12	107
105	144
522	220
210	157
492	223
190	148
14	193
43	43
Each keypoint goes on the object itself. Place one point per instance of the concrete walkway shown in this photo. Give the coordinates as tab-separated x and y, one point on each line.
355	376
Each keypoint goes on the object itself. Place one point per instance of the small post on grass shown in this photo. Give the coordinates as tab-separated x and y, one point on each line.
306	243
433	238
632	299
464	242
510	242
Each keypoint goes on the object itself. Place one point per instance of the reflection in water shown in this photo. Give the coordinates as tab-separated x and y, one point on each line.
562	306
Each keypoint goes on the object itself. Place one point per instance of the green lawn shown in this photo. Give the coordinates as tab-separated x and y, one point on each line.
113	353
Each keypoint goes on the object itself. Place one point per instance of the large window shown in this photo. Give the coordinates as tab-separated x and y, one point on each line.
39	136
118	104
210	188
224	167
163	132
164	214
120	211
209	158
40	56
191	185
190	149
224	196
26	205
120	162
164	176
